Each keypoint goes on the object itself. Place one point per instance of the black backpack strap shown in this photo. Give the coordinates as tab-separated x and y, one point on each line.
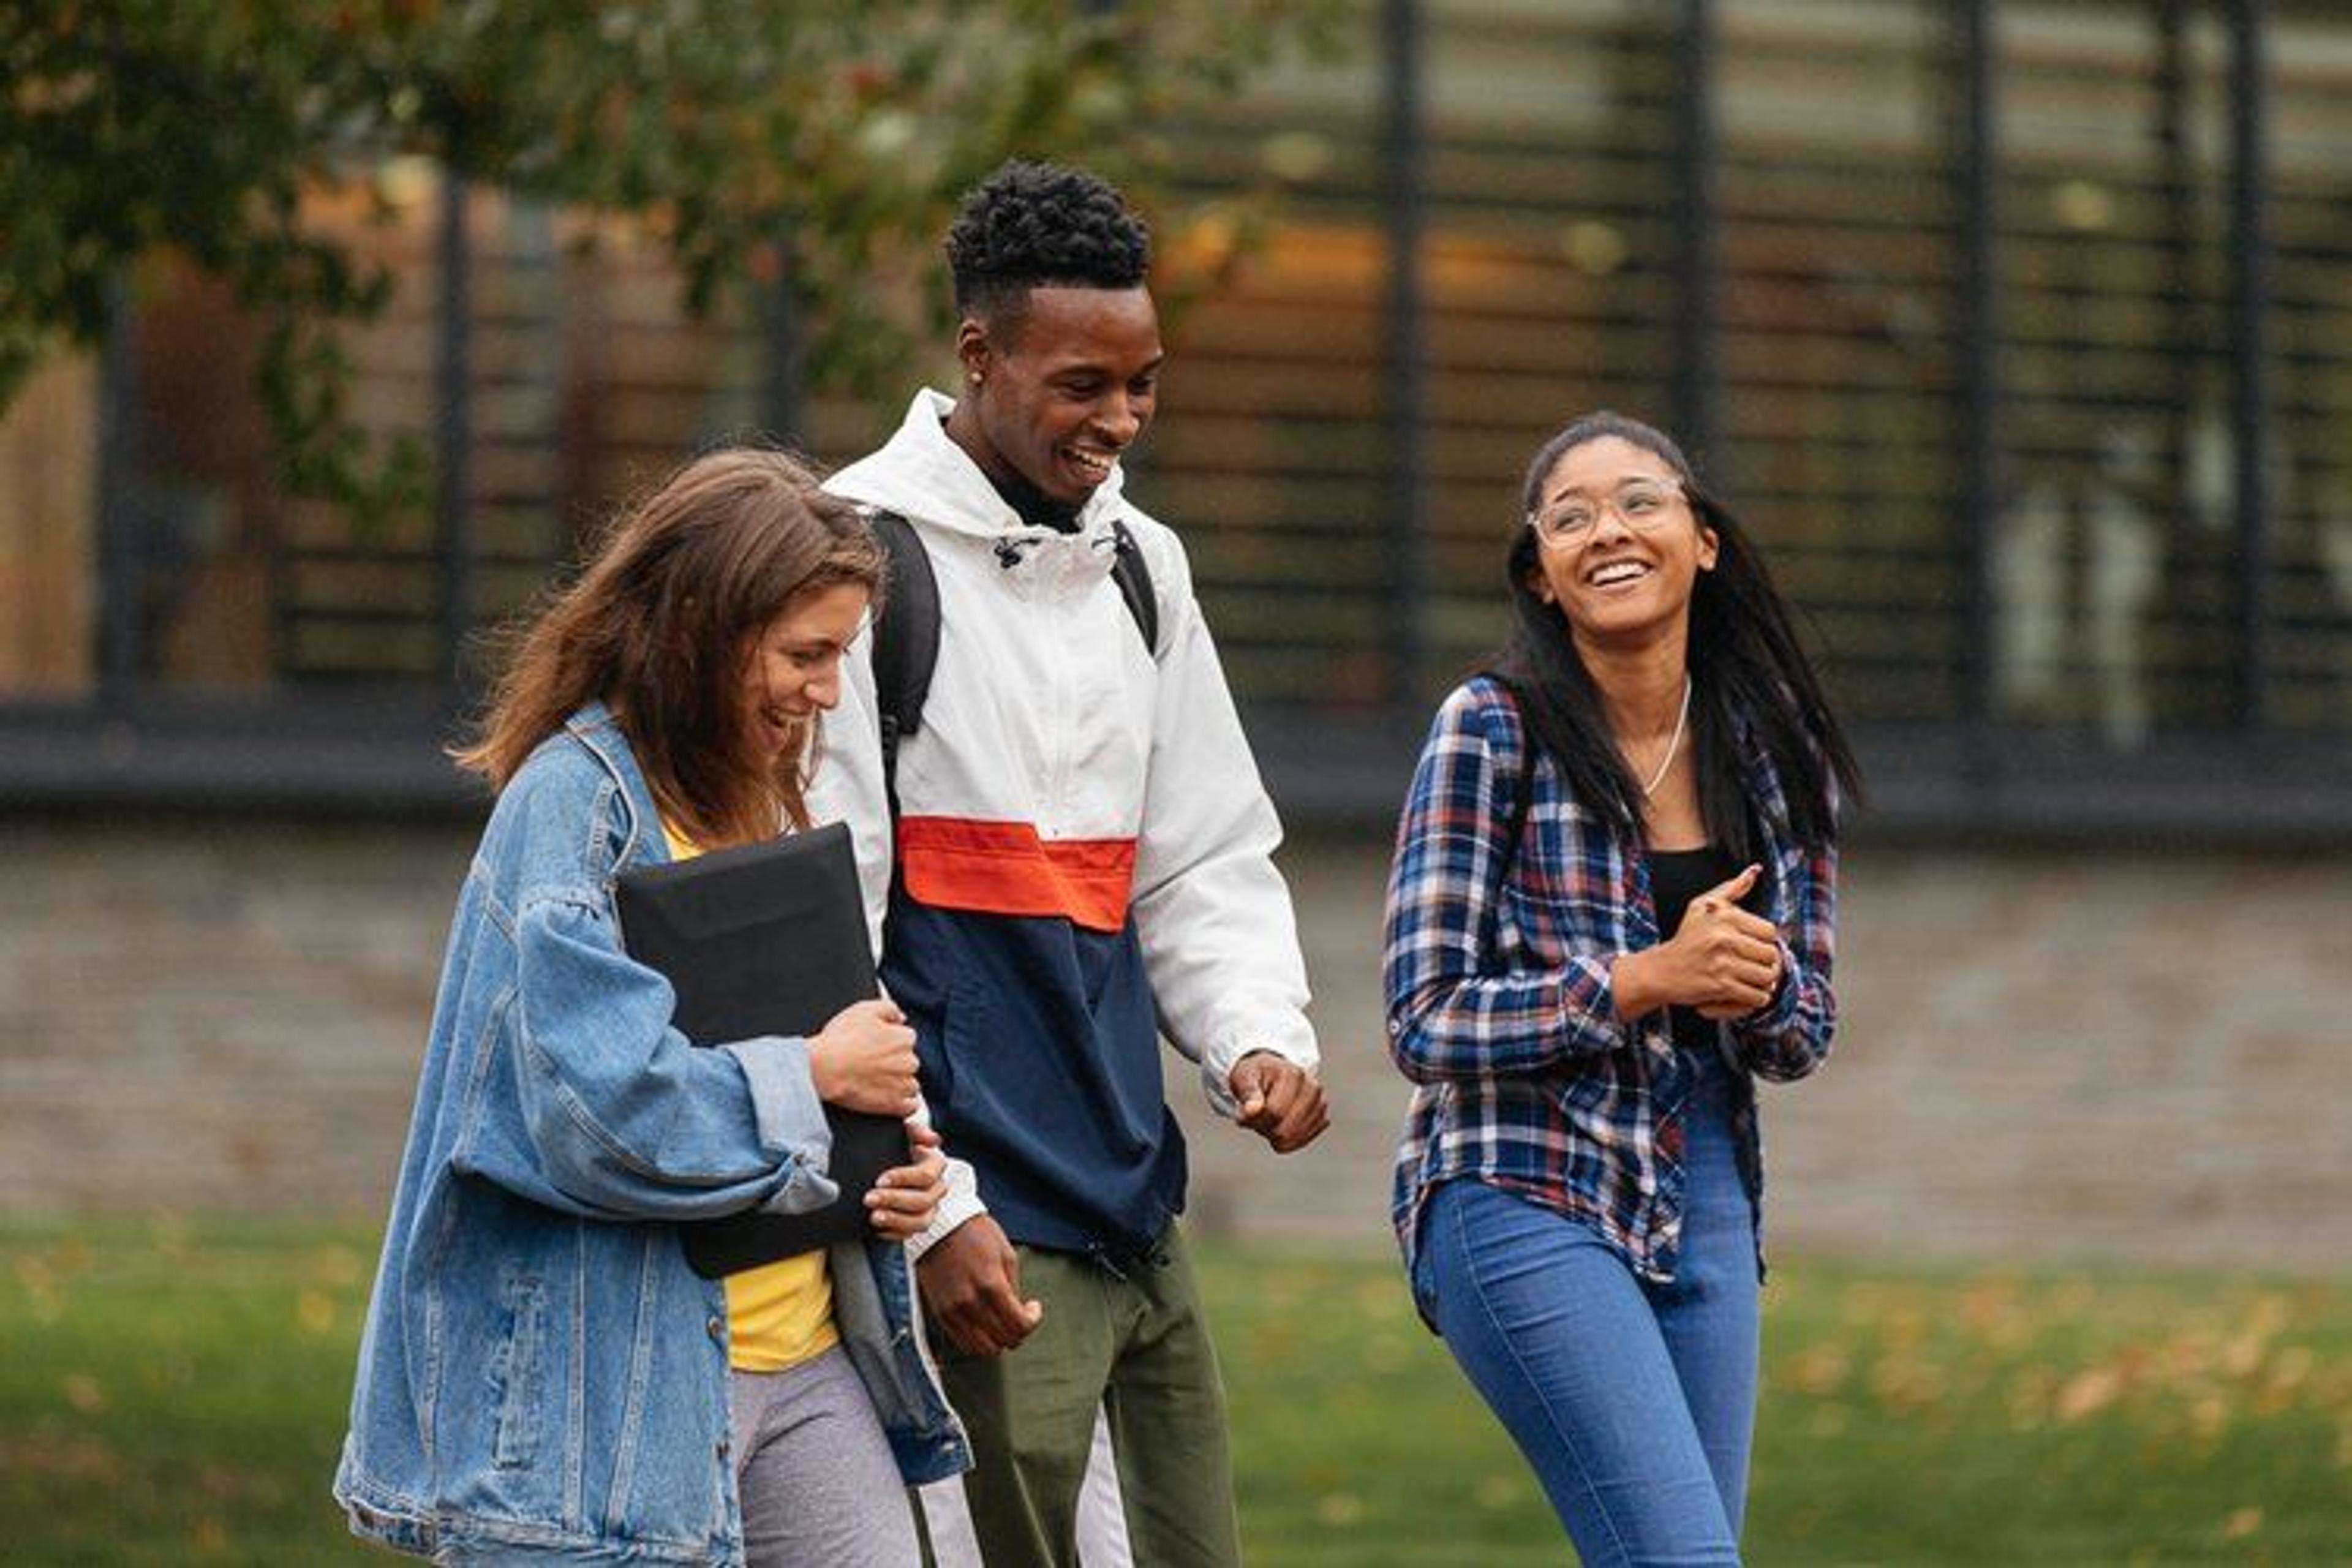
906	639
1133	575
907	634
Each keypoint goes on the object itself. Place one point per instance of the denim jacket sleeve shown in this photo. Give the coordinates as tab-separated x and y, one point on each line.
616	1115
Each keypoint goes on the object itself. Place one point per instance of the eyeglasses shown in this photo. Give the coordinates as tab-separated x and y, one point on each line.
1641	506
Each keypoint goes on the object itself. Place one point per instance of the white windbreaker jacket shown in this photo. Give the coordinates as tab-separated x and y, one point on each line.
1061	767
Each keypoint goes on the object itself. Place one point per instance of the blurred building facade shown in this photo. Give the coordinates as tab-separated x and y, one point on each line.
1969	308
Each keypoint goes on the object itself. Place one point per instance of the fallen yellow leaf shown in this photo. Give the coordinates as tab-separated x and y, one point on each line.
2088	1393
83	1392
315	1310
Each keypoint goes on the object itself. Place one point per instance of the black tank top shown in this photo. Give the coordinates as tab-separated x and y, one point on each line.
1676	876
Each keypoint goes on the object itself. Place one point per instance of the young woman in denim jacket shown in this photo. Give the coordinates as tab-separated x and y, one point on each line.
543	1377
1610	911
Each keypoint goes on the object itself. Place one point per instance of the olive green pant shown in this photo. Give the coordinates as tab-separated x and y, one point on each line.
1132	1341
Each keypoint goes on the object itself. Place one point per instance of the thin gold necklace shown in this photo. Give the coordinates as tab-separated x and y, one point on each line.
1673	742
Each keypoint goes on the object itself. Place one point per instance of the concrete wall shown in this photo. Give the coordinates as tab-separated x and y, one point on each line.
2049	1054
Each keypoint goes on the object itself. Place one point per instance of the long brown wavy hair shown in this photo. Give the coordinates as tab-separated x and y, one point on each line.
660	622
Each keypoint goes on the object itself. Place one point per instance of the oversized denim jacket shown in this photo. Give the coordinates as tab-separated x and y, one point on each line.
541	1374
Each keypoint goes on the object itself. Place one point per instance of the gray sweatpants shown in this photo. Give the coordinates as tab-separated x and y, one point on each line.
819	1484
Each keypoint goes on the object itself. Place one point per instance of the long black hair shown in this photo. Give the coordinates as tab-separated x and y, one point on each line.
1746	664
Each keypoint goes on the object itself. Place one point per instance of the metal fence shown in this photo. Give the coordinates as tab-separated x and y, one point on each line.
1970	309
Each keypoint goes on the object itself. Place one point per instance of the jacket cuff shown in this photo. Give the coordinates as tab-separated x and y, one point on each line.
1588	992
789	1117
960	1204
1781	1010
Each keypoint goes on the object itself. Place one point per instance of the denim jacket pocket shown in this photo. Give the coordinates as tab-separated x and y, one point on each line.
518	1371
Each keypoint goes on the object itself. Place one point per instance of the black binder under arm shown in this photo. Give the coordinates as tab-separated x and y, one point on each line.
767	939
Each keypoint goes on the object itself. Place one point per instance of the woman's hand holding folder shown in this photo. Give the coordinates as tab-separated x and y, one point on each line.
863	1060
904	1200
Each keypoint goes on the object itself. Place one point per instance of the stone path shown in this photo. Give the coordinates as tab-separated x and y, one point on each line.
2070	1055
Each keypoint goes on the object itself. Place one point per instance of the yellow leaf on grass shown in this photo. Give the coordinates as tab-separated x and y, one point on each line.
1990	1309
315	1311
1820	1370
2291	1369
41	1292
2244	1352
1909	1382
339	1265
1498	1491
2089	1391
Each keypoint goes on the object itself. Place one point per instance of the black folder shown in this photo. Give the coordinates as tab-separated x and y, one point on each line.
767	939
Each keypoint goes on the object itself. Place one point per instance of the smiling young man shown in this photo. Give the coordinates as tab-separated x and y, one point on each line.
1081	860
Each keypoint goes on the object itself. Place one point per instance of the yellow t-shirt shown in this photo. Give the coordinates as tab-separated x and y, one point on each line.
778	1314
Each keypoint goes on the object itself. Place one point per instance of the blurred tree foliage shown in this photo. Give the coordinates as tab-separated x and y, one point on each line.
805	142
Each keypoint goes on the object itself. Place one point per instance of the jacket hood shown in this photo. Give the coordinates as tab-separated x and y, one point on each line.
921	472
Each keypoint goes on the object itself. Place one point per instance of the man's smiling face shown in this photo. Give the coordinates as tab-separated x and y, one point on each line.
1057	394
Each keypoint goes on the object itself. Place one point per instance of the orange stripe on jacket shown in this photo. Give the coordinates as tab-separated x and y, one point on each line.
1004	869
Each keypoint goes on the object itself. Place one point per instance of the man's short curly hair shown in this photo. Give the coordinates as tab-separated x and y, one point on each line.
1035	225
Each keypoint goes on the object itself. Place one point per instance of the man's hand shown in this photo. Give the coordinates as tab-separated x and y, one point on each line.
1279	1100
970	1280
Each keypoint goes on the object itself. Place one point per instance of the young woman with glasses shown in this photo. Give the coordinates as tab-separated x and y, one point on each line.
1610	912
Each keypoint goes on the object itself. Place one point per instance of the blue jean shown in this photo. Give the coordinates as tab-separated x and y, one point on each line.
1634	1401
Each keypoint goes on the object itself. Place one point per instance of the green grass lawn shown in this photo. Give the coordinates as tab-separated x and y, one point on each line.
174	1392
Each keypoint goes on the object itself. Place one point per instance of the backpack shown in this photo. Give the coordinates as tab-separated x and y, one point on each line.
906	637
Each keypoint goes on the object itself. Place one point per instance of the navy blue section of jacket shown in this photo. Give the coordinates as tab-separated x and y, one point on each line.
1040	1051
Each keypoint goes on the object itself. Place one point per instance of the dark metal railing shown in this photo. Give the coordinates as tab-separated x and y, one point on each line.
1970	764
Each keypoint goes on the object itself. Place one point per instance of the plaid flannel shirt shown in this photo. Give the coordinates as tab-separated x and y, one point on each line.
1497	972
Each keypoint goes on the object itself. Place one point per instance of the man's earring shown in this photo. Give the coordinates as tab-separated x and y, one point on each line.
974	377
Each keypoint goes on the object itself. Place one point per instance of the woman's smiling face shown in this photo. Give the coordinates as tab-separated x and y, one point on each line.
792	669
1619	546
